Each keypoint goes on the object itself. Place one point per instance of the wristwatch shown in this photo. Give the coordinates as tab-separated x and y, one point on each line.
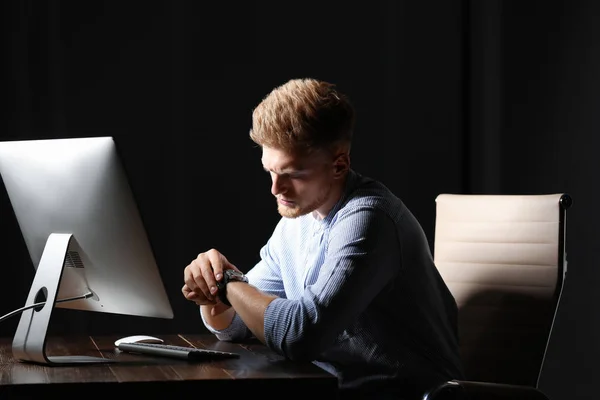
228	276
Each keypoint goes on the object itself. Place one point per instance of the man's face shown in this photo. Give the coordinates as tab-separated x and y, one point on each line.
301	184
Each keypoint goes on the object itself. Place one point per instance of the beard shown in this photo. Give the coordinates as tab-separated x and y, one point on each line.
296	210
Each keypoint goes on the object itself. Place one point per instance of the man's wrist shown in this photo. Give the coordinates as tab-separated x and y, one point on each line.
229	275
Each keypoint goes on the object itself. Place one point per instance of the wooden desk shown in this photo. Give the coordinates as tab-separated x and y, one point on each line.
257	371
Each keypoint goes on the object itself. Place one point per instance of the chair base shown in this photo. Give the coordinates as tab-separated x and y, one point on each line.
469	390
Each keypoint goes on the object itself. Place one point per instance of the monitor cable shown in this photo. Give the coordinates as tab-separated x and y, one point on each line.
41	303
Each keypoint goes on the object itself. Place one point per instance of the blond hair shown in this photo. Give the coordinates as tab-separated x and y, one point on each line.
303	115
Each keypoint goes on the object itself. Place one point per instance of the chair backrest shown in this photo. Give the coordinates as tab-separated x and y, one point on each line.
503	258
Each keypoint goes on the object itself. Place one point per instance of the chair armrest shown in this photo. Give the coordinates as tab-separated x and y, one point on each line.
470	390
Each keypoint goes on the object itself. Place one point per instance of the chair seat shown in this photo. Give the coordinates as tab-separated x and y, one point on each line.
503	258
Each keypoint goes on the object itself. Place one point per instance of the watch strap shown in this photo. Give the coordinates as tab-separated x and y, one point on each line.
222	290
228	276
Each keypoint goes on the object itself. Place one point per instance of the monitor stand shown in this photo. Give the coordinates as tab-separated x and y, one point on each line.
29	342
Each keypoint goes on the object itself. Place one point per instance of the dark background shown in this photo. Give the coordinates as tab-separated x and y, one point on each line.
452	96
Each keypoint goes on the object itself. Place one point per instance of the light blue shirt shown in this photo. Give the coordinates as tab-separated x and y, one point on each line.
358	293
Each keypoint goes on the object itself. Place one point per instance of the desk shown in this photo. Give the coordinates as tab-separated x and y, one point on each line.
257	371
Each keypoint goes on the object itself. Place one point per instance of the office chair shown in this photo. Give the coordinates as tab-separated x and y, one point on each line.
503	258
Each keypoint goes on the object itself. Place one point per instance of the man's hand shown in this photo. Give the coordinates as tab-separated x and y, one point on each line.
201	277
217	306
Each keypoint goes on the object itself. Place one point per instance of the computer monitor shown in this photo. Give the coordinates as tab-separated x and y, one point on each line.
84	234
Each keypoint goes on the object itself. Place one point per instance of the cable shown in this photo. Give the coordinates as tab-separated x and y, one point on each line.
41	303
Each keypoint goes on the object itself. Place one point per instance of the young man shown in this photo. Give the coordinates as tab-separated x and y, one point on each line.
347	279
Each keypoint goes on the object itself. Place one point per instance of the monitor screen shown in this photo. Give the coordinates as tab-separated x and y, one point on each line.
71	197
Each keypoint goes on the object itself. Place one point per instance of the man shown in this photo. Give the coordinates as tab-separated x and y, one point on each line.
347	279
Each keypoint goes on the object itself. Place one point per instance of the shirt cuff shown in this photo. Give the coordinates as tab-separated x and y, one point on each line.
234	331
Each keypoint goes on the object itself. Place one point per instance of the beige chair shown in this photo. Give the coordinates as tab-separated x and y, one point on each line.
503	258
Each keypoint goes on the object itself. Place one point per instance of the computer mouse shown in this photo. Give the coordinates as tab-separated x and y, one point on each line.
138	339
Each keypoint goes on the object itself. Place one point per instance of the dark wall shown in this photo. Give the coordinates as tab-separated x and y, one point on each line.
533	101
175	84
463	96
549	123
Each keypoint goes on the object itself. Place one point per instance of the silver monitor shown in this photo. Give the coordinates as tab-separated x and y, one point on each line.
84	234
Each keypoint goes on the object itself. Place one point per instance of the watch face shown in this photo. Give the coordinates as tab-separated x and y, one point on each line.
236	275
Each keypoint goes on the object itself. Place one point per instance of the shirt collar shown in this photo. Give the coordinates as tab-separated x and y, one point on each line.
349	185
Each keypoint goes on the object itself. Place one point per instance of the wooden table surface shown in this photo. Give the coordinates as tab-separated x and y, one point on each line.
258	370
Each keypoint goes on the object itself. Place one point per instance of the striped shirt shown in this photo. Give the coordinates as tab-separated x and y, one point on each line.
358	294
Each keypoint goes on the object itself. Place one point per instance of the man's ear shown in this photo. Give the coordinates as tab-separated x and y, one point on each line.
341	165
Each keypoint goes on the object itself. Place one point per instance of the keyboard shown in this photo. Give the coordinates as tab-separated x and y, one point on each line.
180	352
